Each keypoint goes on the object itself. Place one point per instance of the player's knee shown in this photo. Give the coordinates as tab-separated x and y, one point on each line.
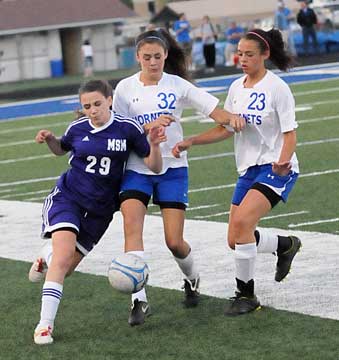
63	263
175	247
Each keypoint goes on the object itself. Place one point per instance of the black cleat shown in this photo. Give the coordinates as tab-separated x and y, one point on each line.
242	305
285	259
139	311
192	294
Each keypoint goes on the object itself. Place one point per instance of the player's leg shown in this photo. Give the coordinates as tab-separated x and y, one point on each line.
276	188
242	223
171	195
134	197
63	242
173	227
39	267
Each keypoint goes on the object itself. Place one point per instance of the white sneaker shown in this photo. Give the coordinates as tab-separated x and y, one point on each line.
43	335
38	270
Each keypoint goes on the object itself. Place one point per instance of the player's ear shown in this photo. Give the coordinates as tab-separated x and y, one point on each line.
110	101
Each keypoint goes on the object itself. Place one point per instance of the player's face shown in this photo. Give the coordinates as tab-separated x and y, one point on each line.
252	61
96	106
151	58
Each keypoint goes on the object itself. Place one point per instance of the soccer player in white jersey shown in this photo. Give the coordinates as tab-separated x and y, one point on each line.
157	95
79	209
265	158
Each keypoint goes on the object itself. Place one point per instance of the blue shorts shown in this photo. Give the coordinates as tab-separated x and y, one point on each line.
60	213
263	179
169	190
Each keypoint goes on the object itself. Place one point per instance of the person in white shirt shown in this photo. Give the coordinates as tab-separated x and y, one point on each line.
87	55
156	96
208	37
265	158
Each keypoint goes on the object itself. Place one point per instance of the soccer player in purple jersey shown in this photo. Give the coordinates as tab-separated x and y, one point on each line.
79	209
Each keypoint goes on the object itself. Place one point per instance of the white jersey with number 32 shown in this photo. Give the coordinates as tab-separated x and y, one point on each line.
146	103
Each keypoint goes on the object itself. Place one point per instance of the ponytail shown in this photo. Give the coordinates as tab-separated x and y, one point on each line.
272	40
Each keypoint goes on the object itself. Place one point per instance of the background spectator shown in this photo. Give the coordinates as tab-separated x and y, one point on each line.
307	19
87	54
208	36
182	29
233	35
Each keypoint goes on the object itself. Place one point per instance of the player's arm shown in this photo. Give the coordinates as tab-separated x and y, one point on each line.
162	120
283	165
224	117
210	136
54	144
154	160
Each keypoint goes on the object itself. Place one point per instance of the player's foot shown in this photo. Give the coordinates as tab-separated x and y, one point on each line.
192	294
38	270
285	259
139	311
241	305
43	335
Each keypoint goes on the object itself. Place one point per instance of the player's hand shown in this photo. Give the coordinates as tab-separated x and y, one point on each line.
281	169
157	135
180	147
163	120
237	122
43	136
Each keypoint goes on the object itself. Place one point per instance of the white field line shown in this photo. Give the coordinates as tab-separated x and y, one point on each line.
201	217
24	194
17	143
305	143
193	208
313	92
33	127
284	215
217	187
35	198
215	261
30	181
37	157
309	223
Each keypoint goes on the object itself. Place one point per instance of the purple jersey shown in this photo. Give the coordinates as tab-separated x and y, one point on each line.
97	159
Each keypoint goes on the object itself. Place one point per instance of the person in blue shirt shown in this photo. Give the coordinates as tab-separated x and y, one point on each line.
282	19
182	30
80	207
233	35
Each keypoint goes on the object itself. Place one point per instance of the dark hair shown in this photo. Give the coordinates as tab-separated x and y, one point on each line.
272	40
102	86
176	62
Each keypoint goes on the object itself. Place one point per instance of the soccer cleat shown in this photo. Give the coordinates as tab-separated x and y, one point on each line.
38	270
43	335
242	305
139	311
192	294
285	259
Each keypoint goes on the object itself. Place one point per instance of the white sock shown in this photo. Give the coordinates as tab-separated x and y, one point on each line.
187	266
51	296
268	242
47	251
245	255
140	295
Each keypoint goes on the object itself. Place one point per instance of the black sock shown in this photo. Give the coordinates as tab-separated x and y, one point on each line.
245	289
284	244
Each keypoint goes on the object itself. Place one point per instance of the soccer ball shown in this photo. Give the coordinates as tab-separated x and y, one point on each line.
128	273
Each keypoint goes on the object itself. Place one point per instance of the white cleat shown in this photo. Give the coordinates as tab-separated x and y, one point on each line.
43	335
38	270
